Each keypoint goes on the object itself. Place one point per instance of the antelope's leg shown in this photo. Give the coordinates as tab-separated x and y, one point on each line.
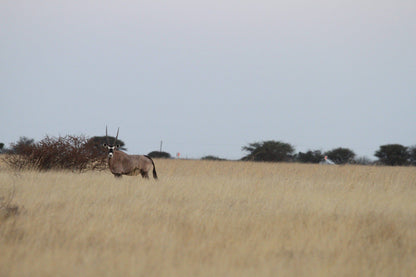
145	174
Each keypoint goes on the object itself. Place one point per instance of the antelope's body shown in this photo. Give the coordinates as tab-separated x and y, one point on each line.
121	163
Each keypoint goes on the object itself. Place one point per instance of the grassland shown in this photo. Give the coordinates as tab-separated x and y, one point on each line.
207	218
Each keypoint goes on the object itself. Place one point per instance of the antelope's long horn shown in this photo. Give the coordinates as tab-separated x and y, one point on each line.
115	141
106	135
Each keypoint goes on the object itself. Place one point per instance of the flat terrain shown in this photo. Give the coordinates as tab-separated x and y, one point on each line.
207	218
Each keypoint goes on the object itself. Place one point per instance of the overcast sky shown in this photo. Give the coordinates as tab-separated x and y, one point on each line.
208	77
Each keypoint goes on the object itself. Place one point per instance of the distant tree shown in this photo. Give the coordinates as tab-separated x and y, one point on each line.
159	154
310	157
212	158
21	145
412	155
362	161
393	154
1	147
341	155
99	141
269	151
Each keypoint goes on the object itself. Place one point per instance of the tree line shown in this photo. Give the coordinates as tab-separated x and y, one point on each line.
277	151
81	153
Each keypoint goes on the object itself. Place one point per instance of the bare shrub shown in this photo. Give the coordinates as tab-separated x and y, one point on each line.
76	153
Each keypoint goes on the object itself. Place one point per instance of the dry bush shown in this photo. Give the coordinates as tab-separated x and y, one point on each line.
76	153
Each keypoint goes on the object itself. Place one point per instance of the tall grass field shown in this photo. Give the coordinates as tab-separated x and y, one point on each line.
210	218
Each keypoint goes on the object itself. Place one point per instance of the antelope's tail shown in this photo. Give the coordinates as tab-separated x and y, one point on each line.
154	167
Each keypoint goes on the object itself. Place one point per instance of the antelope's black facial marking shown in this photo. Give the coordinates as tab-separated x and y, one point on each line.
111	150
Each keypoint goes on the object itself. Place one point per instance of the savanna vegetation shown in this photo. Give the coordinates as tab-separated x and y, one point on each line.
83	153
210	218
77	153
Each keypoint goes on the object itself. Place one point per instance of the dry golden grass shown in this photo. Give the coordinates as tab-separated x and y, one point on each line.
207	218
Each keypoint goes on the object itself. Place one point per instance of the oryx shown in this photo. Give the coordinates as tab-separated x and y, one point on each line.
121	163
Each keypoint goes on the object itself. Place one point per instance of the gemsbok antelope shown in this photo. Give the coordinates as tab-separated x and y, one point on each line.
121	163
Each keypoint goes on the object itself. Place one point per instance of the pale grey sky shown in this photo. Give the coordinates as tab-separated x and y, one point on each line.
208	77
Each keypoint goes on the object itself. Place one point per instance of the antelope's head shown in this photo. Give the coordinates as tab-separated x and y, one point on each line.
111	147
